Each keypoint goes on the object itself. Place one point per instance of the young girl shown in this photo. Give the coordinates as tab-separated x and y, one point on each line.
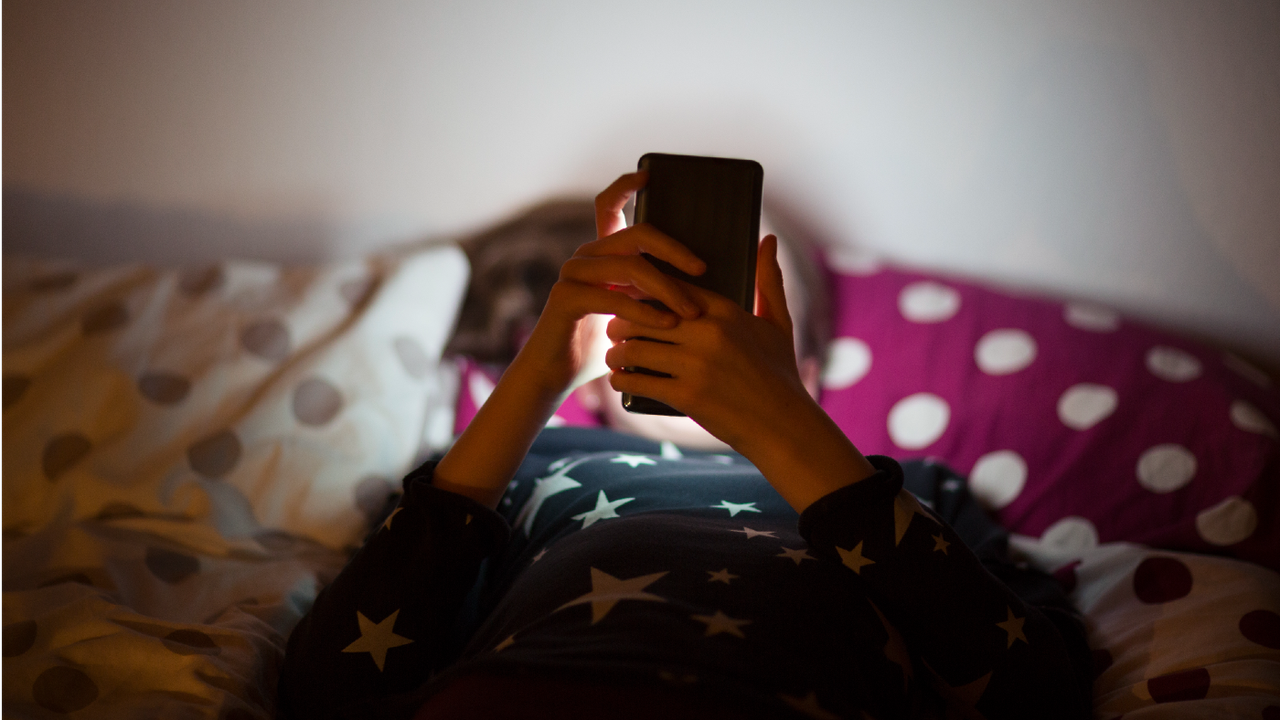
583	573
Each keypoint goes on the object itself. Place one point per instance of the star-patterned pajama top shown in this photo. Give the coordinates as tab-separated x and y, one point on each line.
614	559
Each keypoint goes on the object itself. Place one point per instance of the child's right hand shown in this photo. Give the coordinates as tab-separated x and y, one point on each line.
607	276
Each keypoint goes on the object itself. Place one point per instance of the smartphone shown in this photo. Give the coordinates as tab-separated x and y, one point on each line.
712	206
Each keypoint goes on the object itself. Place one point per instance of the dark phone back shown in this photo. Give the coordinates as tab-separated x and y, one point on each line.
712	206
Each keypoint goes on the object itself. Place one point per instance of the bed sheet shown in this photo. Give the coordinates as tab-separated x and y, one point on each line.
189	455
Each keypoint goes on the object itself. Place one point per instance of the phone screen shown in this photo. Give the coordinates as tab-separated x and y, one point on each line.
712	206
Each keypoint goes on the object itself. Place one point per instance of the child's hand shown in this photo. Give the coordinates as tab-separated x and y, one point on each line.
606	277
735	374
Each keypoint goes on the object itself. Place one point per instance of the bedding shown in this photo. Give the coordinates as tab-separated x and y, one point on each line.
188	456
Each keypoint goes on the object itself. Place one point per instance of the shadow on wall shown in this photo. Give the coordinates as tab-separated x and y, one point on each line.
62	226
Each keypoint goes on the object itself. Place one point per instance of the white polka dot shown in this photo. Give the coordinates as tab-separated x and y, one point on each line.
1086	404
853	261
997	478
1165	468
1250	419
1245	370
847	362
1072	534
1005	351
1227	523
1093	318
916	421
1172	364
928	302
556	421
481	388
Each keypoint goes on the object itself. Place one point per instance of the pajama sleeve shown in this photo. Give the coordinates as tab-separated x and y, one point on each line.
390	619
983	649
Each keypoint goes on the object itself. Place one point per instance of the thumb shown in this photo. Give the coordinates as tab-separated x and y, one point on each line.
771	301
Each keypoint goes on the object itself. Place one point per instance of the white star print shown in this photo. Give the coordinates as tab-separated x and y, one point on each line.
634	461
721	623
376	638
722	459
607	590
670	451
387	523
755	533
798	556
544	488
735	508
603	510
723	576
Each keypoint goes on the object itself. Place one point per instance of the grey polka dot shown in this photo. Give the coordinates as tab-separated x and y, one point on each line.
357	291
214	456
190	642
63	690
268	339
412	356
15	386
164	388
114	510
63	452
275	540
198	281
78	577
371	495
19	637
171	567
53	282
316	401
13	535
104	318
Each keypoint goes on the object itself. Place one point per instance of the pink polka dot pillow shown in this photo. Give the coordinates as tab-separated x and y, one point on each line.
1072	423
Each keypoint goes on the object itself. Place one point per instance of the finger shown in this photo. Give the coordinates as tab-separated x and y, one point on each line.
580	300
621	329
632	271
611	201
642	385
771	299
647	354
648	239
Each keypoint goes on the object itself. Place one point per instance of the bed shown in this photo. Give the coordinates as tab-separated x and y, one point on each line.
191	453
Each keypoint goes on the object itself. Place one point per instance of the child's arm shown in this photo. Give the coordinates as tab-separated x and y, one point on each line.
599	278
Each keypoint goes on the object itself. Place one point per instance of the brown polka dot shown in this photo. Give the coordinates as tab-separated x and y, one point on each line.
63	690
198	281
114	510
1101	661
1161	579
78	577
1184	685
357	291
268	339
15	386
372	494
1262	627
19	637
53	282
316	401
171	567
275	540
63	452
164	388
1066	576
104	318
412	356
214	456
190	642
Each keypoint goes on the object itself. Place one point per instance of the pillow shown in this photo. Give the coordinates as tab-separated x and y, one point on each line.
240	400
1173	634
1072	423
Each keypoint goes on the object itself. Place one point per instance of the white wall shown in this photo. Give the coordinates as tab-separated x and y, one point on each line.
1124	151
